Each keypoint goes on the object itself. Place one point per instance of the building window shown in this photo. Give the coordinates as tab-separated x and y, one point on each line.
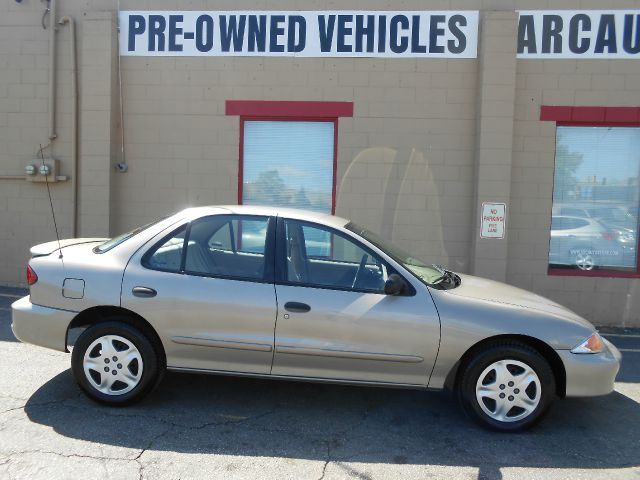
596	196
288	163
288	152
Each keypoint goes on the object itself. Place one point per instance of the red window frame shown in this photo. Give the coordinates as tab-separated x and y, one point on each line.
289	111
570	116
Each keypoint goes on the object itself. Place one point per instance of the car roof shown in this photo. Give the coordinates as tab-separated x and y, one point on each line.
592	222
573	217
307	215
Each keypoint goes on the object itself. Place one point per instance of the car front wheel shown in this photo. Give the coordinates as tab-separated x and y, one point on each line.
507	386
115	364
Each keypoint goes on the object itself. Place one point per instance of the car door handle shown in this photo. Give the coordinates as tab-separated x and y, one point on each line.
144	292
296	307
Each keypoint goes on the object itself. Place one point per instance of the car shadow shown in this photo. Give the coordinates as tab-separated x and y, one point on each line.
248	417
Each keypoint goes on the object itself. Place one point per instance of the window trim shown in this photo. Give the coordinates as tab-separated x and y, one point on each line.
289	111
572	116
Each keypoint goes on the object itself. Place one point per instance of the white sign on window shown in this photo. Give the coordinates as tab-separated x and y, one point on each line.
493	220
421	34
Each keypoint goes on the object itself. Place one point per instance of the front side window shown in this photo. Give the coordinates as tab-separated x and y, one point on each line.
230	246
319	256
288	163
594	224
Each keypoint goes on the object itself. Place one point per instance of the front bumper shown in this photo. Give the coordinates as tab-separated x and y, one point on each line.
43	326
590	375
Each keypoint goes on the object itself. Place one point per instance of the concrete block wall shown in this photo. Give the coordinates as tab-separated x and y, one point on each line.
405	158
25	214
494	141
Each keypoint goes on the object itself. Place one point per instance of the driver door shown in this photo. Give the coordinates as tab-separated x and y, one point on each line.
334	320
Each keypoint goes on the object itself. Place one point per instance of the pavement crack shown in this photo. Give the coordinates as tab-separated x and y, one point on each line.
327	461
41	404
176	426
64	455
145	449
21	407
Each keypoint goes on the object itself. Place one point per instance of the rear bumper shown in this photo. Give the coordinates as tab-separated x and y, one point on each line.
590	375
43	326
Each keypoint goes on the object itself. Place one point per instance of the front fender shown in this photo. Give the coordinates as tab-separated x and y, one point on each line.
467	321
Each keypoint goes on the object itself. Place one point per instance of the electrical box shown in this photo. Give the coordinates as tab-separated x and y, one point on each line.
39	171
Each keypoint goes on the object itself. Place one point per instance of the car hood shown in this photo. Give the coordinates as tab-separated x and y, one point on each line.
48	248
497	292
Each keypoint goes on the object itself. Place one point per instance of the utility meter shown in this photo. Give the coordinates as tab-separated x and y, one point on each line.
42	171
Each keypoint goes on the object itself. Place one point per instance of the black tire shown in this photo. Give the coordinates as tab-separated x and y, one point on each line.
472	369
152	363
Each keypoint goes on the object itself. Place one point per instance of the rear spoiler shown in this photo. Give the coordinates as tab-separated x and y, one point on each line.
44	249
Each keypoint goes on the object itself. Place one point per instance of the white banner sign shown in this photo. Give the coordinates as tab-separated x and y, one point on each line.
579	34
441	34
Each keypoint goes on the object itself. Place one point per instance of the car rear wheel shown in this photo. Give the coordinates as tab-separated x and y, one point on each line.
115	364
506	386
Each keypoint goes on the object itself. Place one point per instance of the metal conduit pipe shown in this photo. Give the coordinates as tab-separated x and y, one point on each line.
74	124
52	70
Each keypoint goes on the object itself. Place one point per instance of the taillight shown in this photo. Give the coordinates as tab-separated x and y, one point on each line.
610	235
32	277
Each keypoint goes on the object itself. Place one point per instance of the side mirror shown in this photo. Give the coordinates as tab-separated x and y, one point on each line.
394	285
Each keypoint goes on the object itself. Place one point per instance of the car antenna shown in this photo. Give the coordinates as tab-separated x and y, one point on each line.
53	213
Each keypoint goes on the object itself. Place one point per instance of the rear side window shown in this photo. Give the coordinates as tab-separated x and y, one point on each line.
231	246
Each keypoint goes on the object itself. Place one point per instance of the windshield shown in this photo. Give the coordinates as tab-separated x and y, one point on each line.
427	273
115	241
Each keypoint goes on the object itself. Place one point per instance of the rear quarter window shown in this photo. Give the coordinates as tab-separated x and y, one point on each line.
115	241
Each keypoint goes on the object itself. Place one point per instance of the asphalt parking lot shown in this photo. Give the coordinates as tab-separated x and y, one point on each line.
222	427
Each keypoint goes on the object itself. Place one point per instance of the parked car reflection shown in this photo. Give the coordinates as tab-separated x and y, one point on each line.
587	243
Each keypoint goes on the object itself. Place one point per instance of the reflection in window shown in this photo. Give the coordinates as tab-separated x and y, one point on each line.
317	256
227	245
596	196
288	164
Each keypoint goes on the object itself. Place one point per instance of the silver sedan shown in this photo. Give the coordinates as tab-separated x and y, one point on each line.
289	294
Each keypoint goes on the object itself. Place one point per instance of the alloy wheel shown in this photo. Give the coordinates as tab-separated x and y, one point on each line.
113	365
508	390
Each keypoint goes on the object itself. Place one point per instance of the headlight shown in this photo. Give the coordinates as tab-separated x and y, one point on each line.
593	344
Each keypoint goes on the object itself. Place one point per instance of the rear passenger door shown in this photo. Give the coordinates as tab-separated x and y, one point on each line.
209	293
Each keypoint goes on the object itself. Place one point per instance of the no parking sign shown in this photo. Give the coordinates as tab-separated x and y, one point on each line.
493	219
